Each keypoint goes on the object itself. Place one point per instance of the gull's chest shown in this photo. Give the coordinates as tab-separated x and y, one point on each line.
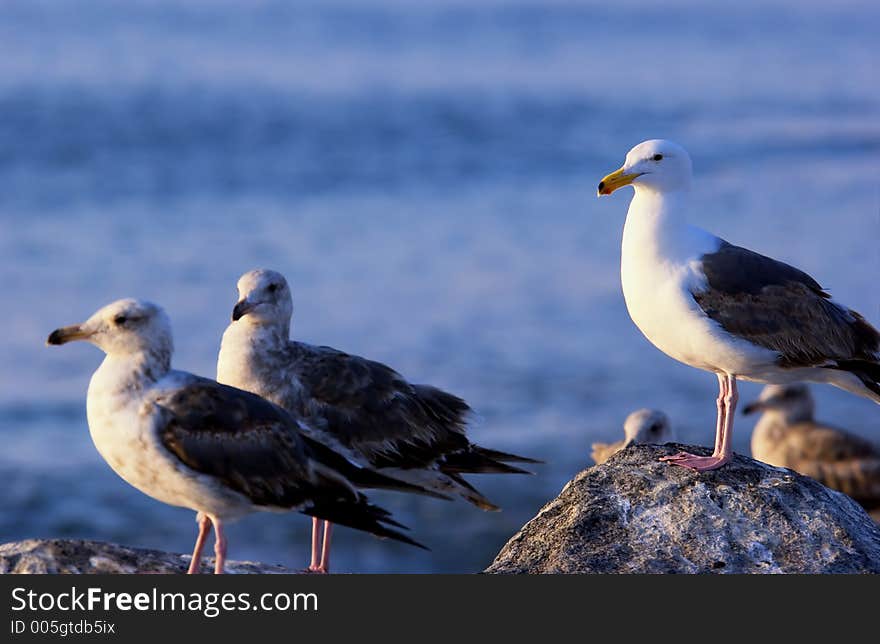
661	269
257	365
115	422
769	442
660	274
659	300
123	431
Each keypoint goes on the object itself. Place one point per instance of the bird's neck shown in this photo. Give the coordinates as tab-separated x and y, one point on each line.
787	416
654	209
655	221
247	348
246	332
128	375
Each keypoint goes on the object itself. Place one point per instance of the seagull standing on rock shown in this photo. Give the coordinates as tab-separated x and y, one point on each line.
726	309
362	408
194	443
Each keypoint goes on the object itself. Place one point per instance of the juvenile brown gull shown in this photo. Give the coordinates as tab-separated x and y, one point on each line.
787	435
642	427
363	409
192	442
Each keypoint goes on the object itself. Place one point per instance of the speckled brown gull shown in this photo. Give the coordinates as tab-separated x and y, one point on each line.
641	427
787	435
194	443
359	407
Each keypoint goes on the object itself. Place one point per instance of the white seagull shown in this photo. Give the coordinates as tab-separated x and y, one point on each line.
788	435
642	427
194	443
726	309
362	408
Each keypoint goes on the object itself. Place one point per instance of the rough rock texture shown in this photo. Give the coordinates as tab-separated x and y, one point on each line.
40	556
636	515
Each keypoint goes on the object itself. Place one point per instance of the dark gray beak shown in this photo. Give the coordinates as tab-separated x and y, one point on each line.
753	407
241	309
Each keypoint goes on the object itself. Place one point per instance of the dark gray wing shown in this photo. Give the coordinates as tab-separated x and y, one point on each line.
370	408
251	445
256	448
781	308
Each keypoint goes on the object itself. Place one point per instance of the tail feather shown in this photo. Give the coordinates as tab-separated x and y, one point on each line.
363	477
447	482
472	495
361	515
868	372
371	479
471	463
477	460
506	457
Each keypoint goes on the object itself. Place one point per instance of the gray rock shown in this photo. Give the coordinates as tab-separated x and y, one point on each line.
70	556
635	514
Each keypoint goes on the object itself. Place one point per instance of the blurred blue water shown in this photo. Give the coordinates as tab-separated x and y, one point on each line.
424	174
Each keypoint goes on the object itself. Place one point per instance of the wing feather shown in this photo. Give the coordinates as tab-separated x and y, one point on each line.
781	308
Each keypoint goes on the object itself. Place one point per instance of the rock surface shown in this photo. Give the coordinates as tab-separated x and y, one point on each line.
635	514
68	556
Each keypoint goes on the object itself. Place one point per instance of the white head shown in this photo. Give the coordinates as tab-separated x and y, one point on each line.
656	165
794	403
647	426
263	298
124	328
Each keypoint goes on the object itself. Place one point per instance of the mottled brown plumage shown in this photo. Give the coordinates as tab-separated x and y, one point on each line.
252	446
194	443
788	436
361	407
257	449
370	408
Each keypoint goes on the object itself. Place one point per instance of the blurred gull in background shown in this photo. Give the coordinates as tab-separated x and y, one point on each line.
787	435
642	427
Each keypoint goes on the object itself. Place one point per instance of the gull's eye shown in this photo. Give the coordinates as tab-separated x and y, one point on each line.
272	288
657	157
120	320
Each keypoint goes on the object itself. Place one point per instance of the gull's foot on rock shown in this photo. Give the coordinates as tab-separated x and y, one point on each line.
696	463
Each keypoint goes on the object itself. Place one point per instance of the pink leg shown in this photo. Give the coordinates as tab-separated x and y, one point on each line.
219	547
204	527
724	431
321	566
722	411
325	548
316	544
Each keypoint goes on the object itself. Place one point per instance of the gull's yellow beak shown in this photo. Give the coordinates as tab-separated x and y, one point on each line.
616	180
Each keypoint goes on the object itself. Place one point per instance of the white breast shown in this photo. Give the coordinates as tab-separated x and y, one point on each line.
237	359
660	269
768	441
122	424
255	359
